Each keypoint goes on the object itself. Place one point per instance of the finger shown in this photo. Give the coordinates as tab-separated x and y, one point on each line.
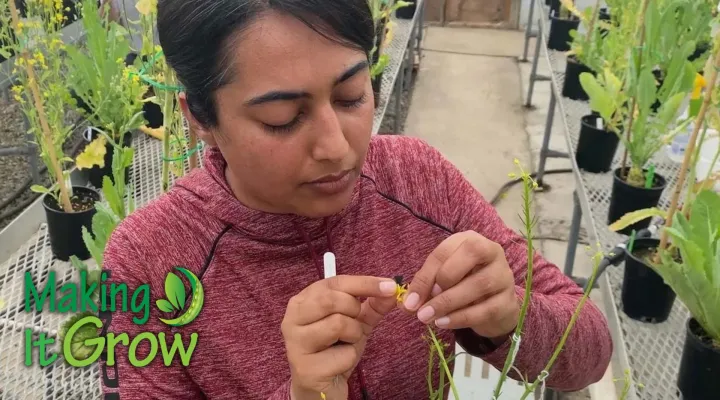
316	305
373	310
486	316
475	287
424	280
361	286
329	331
333	361
475	251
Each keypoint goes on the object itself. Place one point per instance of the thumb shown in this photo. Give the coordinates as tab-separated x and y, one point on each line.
374	309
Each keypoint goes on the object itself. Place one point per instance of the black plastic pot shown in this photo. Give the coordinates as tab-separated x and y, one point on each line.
554	6
626	198
96	174
645	295
65	229
596	147
407	12
559	38
572	89
699	366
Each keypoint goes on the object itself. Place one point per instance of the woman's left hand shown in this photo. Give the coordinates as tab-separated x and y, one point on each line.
466	282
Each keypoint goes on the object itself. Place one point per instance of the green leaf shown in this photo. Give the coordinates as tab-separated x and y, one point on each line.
636	216
112	197
669	109
164	305
39	189
600	100
95	250
646	90
175	290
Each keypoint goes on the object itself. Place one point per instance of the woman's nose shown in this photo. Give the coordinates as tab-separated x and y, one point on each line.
330	143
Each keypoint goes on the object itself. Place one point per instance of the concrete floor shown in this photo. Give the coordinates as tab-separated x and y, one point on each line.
469	103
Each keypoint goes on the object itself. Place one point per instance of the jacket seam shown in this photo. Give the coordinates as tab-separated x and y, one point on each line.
408	208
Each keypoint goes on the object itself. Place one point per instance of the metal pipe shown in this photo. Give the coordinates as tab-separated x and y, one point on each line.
13	151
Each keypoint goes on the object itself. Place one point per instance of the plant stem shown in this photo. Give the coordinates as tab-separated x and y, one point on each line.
441	355
510	359
167	124
591	25
641	32
193	145
566	334
699	121
47	134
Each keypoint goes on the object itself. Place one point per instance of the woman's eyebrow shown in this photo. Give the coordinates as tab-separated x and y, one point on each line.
283	95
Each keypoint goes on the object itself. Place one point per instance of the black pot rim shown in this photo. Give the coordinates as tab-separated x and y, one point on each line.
692	336
584	121
644	243
616	176
92	192
572	18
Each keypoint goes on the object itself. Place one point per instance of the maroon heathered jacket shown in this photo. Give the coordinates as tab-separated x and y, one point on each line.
251	263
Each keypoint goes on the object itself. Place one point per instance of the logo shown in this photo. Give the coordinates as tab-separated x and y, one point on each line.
176	299
84	338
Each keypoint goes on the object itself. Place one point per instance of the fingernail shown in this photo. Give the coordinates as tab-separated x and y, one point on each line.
388	287
426	314
411	302
436	290
442	322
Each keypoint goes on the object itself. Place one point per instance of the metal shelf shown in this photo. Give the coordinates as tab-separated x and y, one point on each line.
60	381
651	351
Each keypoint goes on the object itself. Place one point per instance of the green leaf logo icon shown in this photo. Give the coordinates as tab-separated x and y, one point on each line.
176	298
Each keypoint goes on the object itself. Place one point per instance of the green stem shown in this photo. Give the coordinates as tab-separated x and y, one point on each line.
167	121
441	355
714	161
510	359
558	349
693	173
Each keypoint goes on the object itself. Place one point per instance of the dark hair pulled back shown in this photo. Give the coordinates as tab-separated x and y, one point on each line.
196	35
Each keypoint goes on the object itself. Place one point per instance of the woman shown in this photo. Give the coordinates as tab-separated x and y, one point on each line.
280	91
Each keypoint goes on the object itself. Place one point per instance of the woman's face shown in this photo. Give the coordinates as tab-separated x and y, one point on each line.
295	121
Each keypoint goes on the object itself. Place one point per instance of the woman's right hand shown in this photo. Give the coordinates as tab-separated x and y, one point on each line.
326	328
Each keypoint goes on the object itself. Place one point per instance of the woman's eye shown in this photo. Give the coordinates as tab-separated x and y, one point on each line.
284	128
353	103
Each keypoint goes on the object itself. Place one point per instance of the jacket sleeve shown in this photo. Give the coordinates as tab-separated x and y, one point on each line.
587	352
124	381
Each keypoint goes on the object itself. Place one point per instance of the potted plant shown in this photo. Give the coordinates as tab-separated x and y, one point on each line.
110	93
585	51
639	186
406	9
597	144
40	91
562	21
688	255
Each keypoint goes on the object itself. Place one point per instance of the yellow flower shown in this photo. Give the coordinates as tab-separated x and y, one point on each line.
94	154
512	175
516	161
698	87
400	291
17	89
20	25
2	304
145	7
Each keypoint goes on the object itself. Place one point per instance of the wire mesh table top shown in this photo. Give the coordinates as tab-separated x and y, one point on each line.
651	351
60	381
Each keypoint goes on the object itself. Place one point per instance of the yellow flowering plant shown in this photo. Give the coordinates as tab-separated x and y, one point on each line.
107	92
39	84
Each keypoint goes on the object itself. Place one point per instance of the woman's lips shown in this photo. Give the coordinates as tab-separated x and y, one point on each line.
332	184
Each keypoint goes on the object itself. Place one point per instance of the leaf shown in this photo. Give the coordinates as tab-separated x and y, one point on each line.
39	189
112	196
646	89
175	290
600	100
636	216
164	305
94	154
669	109
96	251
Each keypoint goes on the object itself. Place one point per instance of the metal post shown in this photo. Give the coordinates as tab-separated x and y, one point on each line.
528	30
420	25
546	139
533	73
398	97
574	235
410	61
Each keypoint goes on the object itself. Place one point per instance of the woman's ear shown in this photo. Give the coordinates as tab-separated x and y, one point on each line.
203	133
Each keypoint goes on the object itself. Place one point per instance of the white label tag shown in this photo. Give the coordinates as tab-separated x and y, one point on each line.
599	123
330	267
